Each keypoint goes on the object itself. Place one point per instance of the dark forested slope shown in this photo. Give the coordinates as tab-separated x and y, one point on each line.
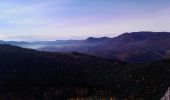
62	72
25	66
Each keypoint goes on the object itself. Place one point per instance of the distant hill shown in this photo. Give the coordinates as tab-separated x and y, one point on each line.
135	47
26	73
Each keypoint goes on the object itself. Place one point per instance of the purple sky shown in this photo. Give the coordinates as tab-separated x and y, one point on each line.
78	19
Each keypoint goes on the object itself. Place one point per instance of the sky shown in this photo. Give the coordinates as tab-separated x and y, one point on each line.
32	20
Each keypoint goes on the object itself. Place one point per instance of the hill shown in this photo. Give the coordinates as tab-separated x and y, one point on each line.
27	73
25	68
135	47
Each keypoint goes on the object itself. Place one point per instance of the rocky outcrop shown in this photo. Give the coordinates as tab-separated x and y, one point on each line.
167	95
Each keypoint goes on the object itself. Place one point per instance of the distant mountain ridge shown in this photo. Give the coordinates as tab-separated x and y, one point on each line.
130	47
135	47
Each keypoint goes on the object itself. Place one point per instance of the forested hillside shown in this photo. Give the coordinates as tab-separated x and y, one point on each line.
29	74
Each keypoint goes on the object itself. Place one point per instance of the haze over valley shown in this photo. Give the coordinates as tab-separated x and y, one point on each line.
135	47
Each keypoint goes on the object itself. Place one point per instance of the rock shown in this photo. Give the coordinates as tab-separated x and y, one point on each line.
167	95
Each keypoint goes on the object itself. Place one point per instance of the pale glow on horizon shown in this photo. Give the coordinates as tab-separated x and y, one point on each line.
72	19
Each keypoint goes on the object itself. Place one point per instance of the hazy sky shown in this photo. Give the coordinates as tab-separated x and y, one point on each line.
77	19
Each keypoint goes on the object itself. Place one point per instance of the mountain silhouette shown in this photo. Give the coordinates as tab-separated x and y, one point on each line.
135	47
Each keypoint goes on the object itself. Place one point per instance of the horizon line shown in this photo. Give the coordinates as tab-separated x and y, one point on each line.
34	39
